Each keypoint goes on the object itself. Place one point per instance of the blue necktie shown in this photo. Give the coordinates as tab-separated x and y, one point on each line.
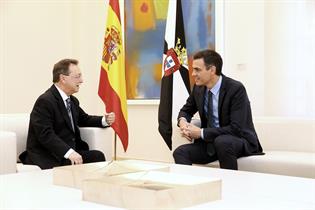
208	108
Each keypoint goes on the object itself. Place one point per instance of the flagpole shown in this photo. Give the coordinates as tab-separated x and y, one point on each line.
115	143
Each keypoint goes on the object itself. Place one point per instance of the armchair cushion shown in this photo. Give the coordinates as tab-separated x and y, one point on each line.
7	152
17	123
288	163
99	139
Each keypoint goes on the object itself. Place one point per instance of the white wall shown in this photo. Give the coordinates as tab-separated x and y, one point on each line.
34	35
244	48
290	58
268	45
89	30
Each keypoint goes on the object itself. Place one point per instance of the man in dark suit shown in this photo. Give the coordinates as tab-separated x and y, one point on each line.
227	131
54	136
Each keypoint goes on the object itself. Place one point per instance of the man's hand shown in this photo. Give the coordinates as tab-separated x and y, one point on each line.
192	131
110	118
183	125
75	158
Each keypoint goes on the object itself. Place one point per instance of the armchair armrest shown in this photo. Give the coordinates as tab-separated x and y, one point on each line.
7	152
99	139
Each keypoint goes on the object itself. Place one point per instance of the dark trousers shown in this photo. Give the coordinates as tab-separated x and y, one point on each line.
89	156
227	149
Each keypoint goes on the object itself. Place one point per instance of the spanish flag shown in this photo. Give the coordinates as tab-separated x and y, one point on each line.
112	84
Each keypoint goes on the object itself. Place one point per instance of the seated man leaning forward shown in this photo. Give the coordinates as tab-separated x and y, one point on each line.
54	136
227	131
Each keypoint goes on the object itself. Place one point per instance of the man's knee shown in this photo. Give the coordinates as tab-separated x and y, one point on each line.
101	156
178	152
98	156
181	155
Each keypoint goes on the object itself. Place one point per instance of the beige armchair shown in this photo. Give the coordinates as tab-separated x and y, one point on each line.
13	136
288	143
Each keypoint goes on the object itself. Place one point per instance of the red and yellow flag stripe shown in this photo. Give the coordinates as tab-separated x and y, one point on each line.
112	85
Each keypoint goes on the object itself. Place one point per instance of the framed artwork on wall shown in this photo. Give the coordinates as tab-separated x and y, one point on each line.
145	22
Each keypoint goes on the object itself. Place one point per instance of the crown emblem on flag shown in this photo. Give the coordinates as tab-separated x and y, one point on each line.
181	53
171	62
112	45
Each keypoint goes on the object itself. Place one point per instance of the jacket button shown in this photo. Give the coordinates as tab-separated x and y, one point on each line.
73	139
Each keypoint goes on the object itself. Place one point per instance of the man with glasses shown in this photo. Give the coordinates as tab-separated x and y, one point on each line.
54	136
227	131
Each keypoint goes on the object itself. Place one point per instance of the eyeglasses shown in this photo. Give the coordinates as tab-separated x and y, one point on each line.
77	77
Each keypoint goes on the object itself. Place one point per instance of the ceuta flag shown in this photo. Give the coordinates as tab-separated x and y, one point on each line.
112	84
175	87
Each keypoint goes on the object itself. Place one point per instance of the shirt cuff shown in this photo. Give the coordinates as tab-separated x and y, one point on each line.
104	123
201	133
68	153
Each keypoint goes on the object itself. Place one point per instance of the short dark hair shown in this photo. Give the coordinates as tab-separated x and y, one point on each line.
62	67
210	57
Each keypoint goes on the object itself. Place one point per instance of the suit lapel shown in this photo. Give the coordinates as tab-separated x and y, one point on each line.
221	96
61	106
200	97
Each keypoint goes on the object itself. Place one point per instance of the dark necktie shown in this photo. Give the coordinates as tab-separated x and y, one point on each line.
68	102
208	108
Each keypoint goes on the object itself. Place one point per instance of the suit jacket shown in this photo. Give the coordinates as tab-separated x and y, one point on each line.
235	117
50	133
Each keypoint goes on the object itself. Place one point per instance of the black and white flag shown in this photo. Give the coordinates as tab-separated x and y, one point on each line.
175	86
